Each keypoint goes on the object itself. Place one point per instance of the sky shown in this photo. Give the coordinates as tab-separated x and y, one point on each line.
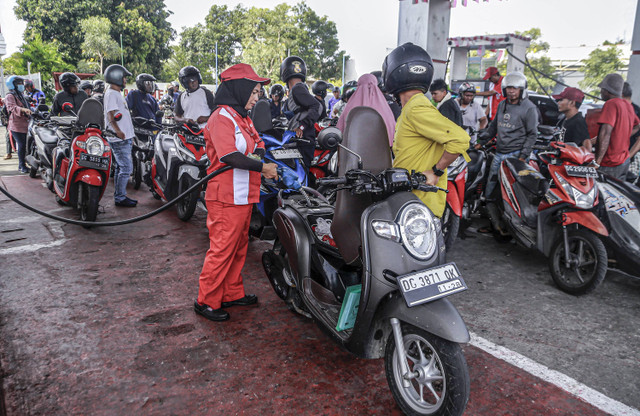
367	28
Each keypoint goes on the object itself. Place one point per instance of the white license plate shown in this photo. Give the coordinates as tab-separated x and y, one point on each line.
280	154
431	284
581	171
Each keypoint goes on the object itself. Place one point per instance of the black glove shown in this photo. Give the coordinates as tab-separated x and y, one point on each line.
484	135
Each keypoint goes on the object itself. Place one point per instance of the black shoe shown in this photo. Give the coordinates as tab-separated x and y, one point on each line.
126	202
245	301
209	313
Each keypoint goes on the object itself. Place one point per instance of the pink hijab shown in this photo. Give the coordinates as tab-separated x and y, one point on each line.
369	95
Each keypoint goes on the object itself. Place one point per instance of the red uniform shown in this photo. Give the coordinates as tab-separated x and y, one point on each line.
229	199
495	99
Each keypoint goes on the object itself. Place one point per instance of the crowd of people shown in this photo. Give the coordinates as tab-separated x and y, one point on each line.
426	135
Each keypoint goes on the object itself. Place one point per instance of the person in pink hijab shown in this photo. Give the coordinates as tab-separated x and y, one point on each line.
369	95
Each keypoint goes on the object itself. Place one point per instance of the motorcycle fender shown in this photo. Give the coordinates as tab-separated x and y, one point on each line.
439	317
90	177
453	199
296	240
192	171
587	219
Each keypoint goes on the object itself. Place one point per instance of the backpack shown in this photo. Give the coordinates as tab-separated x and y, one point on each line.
4	116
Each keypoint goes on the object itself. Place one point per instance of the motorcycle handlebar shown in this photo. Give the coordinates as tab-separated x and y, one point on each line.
332	181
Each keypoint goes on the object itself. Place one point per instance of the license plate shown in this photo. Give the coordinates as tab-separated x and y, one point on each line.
280	154
581	171
92	161
196	140
431	284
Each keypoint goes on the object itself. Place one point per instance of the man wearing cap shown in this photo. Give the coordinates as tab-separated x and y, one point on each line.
495	91
575	126
617	123
335	99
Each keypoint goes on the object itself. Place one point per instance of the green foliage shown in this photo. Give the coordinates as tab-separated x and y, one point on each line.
600	63
44	58
143	24
98	42
539	61
261	38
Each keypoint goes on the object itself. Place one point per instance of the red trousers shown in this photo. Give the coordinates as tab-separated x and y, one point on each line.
220	279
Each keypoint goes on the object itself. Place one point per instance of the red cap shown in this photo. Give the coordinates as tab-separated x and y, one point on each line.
570	93
242	71
492	70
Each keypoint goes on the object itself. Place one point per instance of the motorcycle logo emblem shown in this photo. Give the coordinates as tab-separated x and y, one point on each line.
297	66
417	69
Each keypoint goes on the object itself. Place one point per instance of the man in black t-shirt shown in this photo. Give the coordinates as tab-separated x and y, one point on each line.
569	102
445	103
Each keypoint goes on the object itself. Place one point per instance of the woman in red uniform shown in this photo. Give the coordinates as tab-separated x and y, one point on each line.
231	140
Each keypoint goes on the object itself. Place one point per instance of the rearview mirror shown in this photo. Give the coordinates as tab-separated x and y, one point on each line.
329	138
67	107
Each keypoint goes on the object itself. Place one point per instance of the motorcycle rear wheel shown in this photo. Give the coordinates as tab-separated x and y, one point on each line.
33	172
136	175
450	227
590	254
187	205
90	197
442	388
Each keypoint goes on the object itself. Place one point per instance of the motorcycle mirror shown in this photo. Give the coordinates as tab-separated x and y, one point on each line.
159	113
118	117
329	138
43	107
67	107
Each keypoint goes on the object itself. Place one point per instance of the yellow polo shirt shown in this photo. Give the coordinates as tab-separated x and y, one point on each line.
422	136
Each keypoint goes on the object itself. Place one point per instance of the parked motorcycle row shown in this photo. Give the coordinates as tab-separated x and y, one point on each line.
353	248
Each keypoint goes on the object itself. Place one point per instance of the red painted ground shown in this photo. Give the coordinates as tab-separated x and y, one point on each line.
103	325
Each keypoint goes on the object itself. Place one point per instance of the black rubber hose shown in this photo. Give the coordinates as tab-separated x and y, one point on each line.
121	222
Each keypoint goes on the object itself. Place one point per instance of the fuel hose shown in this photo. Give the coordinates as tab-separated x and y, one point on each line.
120	222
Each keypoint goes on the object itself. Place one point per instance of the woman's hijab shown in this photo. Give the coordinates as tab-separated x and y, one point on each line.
369	95
235	93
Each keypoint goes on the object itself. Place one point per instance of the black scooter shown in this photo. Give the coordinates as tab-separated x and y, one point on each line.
143	145
371	272
42	138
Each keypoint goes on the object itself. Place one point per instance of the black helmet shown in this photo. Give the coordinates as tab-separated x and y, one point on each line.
28	83
144	82
293	67
378	75
277	90
175	84
98	86
320	88
68	79
407	67
347	94
348	89
187	74
115	74
86	85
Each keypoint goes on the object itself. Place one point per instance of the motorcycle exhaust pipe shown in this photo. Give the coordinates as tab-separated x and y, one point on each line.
32	161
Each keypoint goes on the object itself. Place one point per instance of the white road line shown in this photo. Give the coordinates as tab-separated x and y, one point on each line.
566	383
31	247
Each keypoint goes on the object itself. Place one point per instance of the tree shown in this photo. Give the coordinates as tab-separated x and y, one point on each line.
600	63
98	41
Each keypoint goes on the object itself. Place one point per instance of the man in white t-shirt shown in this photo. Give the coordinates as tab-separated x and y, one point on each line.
473	117
195	105
114	105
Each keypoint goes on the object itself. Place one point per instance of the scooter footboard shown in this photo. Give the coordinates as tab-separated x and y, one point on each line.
439	317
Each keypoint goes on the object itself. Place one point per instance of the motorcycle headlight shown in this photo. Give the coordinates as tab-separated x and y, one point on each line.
418	231
568	189
386	229
95	146
584	201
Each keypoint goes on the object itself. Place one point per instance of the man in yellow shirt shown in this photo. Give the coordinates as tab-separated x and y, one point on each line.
425	140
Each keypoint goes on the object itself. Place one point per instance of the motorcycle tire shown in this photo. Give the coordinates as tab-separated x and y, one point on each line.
590	253
136	175
450	227
273	265
187	205
436	358
33	172
90	197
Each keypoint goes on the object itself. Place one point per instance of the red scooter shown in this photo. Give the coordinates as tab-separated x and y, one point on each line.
555	214
456	180
82	159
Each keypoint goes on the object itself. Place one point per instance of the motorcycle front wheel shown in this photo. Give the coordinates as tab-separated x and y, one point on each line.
187	205
442	384
588	258
89	197
450	227
136	175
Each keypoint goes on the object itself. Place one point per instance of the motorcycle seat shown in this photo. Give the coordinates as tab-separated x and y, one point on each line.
530	179
261	116
47	135
476	160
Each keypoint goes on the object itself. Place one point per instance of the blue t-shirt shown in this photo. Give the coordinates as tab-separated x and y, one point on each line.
143	105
